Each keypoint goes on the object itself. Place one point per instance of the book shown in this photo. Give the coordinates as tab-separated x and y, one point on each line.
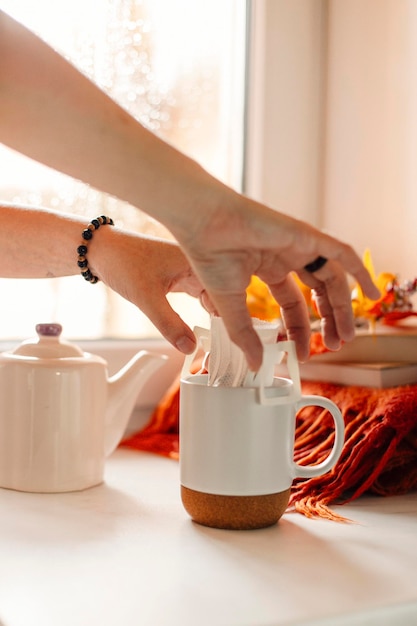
380	375
382	346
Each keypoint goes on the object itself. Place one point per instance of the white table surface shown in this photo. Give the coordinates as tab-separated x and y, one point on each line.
126	553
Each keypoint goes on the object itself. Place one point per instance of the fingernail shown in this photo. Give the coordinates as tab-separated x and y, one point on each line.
185	344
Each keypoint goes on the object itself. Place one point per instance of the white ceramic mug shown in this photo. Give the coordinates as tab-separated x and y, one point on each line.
237	449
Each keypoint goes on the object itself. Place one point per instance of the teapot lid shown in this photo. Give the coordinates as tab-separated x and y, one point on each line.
48	344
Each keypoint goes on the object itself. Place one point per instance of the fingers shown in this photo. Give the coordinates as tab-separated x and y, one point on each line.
151	268
356	268
295	315
232	308
168	322
346	257
207	304
333	300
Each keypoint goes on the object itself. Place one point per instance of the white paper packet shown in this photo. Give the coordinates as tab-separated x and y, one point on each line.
226	363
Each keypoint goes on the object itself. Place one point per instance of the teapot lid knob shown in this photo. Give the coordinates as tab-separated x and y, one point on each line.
48	344
49	330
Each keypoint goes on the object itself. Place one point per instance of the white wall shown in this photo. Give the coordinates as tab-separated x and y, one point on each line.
333	120
285	105
370	188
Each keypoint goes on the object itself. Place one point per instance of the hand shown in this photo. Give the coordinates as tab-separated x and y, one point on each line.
144	270
243	238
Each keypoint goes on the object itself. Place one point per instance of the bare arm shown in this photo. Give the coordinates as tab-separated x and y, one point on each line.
38	243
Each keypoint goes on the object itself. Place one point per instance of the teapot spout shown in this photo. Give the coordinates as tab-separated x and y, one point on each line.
123	389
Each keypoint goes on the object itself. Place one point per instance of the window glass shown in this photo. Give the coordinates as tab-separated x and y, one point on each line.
178	67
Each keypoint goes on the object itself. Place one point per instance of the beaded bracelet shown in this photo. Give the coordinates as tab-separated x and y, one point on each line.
87	234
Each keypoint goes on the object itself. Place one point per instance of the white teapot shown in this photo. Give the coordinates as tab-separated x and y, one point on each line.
60	414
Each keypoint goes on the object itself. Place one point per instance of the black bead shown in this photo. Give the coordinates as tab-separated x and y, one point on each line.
87	234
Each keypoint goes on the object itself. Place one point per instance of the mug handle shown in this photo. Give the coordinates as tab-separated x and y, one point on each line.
309	471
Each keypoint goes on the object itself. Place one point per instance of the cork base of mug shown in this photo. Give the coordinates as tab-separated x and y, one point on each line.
234	512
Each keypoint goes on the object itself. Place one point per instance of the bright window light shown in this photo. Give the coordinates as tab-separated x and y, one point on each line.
177	66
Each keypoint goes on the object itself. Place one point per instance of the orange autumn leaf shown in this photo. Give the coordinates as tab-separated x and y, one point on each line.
395	303
262	305
364	306
260	302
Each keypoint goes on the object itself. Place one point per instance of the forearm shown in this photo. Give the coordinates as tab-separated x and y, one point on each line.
41	243
52	113
37	243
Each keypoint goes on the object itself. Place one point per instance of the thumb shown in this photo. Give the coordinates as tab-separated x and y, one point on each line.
170	324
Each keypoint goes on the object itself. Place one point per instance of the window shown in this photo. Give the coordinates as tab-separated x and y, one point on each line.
177	66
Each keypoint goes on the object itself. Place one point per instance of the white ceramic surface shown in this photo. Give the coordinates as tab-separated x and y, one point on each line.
240	441
127	553
60	414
